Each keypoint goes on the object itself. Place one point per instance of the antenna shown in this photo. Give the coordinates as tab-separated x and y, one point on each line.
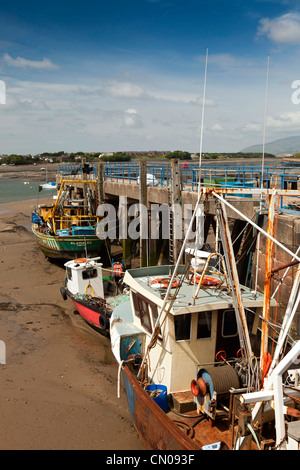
265	121
262	167
199	182
202	122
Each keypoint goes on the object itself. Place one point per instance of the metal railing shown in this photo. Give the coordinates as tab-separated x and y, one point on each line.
274	174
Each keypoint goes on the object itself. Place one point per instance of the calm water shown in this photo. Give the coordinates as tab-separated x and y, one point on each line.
14	189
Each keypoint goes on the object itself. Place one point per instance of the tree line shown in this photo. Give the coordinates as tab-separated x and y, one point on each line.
15	159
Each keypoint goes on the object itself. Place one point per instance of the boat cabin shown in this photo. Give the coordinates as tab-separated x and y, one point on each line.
194	332
74	210
84	276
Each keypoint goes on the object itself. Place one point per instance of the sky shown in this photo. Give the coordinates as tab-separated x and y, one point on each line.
101	76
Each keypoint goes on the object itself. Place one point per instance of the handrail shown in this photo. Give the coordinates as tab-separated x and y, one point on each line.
228	175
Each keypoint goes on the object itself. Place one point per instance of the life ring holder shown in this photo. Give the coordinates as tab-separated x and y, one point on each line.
203	274
163	282
207	281
80	260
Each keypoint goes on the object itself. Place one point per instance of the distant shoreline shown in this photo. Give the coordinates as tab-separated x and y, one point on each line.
39	172
29	172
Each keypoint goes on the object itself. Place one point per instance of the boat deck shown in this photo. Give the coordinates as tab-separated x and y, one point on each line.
144	280
205	432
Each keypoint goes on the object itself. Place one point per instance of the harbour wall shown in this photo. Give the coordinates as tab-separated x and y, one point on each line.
250	254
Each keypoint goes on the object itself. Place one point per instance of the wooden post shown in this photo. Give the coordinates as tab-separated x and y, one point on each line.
153	255
143	216
176	215
123	231
100	183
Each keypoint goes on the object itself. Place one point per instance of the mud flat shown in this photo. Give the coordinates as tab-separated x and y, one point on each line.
36	172
59	384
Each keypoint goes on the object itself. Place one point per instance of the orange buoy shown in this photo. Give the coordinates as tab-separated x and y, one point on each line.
164	282
207	280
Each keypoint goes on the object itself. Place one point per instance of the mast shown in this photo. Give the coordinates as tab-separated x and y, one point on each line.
163	307
267	286
202	123
241	319
262	164
200	210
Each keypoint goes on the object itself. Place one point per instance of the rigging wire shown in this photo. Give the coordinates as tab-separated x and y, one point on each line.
262	169
200	160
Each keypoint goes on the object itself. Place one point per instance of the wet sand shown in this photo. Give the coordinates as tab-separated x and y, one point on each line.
58	388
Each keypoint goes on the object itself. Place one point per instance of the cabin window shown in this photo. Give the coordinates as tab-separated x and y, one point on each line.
135	305
229	326
154	313
144	314
204	325
182	327
142	311
69	273
89	273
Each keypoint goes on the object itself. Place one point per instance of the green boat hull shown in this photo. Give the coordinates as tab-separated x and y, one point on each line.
68	247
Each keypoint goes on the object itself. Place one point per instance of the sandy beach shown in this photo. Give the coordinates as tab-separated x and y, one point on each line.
59	384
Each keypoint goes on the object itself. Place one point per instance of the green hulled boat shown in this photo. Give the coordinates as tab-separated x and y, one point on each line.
66	229
67	247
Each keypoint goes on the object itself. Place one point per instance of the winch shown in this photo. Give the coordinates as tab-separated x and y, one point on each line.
211	388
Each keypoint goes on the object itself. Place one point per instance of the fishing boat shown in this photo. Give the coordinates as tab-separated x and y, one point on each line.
66	228
48	185
92	293
192	348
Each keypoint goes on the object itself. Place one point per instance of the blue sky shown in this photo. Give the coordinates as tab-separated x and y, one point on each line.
109	76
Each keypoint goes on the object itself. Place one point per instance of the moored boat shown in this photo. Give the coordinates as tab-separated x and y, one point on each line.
66	245
66	228
84	286
189	349
91	292
48	185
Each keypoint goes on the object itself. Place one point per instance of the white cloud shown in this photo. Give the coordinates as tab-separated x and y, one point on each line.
123	89
289	120
282	122
217	128
284	29
228	61
132	119
252	127
129	90
20	62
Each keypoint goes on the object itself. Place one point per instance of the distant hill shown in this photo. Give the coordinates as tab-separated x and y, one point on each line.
287	145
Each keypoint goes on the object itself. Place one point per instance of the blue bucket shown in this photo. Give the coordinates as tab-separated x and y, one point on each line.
161	400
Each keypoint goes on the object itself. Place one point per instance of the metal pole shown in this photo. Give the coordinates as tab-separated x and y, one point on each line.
287	320
256	226
171	281
234	283
267	284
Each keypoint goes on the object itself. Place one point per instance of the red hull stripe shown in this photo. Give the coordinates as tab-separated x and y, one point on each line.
89	315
